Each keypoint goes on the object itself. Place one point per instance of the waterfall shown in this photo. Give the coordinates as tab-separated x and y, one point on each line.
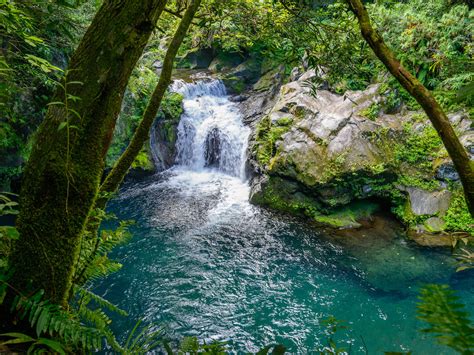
211	134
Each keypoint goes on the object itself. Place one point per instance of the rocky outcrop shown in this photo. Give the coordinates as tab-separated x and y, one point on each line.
199	58
164	132
320	153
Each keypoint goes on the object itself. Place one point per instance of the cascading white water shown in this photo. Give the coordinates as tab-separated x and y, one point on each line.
211	133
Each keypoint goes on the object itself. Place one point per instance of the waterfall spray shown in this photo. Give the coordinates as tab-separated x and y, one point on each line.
211	134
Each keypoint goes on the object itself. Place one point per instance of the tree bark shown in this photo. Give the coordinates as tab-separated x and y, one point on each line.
464	166
120	169
62	176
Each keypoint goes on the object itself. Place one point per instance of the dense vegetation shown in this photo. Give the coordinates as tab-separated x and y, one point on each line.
78	105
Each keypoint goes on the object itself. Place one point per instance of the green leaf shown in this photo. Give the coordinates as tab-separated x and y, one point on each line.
62	125
18	338
55	345
33	40
11	232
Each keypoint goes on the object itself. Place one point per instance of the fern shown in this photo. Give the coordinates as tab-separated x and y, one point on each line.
93	261
143	341
50	319
87	296
446	317
37	345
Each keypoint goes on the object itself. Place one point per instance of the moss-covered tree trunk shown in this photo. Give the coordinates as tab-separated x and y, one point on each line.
423	96
118	172
62	176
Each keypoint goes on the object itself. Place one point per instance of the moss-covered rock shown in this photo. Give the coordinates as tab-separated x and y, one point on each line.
234	84
198	58
241	77
144	161
165	131
323	152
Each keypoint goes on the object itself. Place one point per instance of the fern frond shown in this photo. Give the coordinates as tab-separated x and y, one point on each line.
447	319
48	318
100	267
95	317
143	341
102	302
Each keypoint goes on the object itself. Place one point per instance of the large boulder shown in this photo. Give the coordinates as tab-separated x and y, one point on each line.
322	152
424	202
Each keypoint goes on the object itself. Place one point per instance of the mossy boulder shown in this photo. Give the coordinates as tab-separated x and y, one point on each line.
225	61
242	76
165	131
334	150
198	58
143	163
234	84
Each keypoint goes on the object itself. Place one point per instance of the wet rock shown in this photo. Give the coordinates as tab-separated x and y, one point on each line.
238	98
212	151
447	172
164	132
434	224
198	59
427	239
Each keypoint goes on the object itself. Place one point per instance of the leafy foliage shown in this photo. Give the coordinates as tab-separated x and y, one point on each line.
465	260
458	216
49	319
37	345
447	319
8	233
37	37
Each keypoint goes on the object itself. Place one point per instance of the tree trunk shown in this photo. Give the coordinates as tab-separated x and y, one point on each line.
62	176
423	96
118	172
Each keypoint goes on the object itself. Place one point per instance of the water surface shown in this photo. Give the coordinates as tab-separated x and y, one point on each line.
204	262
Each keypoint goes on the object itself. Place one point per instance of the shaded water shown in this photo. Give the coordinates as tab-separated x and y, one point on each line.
204	262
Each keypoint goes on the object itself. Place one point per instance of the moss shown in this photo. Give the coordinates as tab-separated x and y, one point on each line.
267	135
419	148
371	112
284	121
143	161
172	107
347	216
457	217
281	194
234	84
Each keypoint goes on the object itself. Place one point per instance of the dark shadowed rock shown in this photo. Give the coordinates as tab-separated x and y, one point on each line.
213	148
446	172
198	59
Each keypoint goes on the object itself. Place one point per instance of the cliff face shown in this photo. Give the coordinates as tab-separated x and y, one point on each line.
336	157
